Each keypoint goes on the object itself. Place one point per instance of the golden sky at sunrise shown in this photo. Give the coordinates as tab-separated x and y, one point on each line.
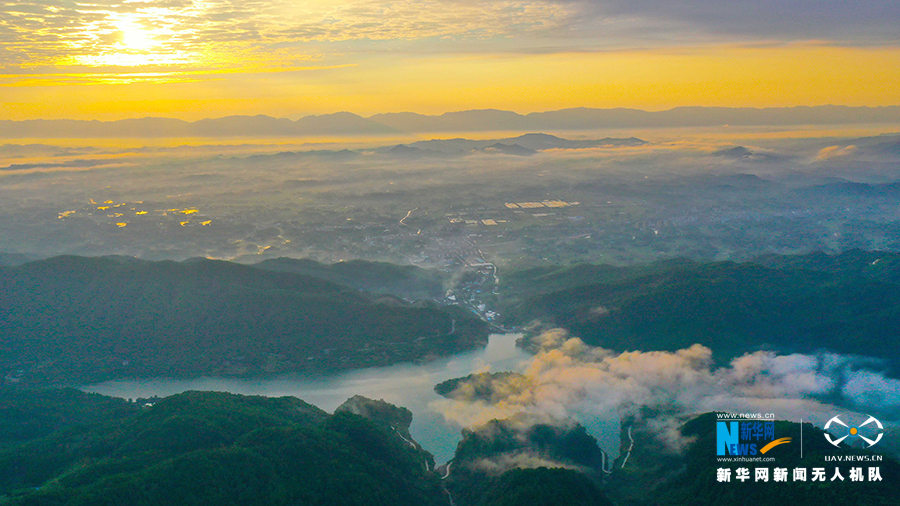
194	59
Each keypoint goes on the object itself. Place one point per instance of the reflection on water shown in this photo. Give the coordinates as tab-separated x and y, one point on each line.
405	385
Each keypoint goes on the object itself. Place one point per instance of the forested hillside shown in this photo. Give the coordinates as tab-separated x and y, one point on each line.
206	448
75	319
847	304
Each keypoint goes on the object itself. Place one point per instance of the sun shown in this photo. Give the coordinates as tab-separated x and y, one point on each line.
136	40
134	36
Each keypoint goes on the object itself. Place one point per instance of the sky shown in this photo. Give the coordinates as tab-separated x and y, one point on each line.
193	59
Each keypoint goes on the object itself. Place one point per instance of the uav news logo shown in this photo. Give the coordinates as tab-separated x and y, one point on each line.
743	439
855	431
746	435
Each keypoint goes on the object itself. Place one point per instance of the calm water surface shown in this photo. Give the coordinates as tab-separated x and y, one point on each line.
408	385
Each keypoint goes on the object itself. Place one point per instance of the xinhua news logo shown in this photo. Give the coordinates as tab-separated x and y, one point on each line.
746	438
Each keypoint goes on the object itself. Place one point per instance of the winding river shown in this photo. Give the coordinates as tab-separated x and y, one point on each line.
408	385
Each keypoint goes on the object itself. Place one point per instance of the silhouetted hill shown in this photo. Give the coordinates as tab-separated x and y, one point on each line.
345	123
462	121
342	123
533	141
507	149
74	319
889	148
411	152
735	152
740	153
539	141
587	118
233	126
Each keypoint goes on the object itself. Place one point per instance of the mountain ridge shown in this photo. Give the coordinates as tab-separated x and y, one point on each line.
475	120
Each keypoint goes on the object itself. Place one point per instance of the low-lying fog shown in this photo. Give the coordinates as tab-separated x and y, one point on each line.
706	193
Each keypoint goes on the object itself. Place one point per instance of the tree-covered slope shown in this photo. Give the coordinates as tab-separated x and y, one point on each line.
731	308
217	449
849	265
543	487
406	281
70	319
480	470
28	415
209	448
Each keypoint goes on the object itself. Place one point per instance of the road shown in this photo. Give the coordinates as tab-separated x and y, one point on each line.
407	216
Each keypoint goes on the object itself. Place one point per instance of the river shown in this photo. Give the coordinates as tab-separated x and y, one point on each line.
408	385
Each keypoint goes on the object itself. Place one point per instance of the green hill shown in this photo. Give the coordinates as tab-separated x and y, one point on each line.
29	415
74	319
216	449
731	308
384	278
211	448
543	487
488	462
853	264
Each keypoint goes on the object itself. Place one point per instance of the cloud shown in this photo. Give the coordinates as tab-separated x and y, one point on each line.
871	22
229	33
567	379
222	32
525	460
835	152
869	388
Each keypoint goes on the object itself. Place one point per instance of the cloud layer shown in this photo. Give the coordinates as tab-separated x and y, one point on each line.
218	32
569	379
871	22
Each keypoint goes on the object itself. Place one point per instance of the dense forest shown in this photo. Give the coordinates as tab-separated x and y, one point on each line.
69	319
407	281
847	303
203	449
74	319
66	447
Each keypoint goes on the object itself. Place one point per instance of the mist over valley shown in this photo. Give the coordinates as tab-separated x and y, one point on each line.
632	282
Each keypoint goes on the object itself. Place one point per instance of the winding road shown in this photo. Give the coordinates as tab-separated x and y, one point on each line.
630	447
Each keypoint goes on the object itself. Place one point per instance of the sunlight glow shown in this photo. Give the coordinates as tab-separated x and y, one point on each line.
133	40
134	37
291	58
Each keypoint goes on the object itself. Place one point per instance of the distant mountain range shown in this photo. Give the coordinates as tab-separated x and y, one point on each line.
532	142
486	120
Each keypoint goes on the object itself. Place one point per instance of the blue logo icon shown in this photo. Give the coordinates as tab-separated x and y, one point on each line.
853	431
